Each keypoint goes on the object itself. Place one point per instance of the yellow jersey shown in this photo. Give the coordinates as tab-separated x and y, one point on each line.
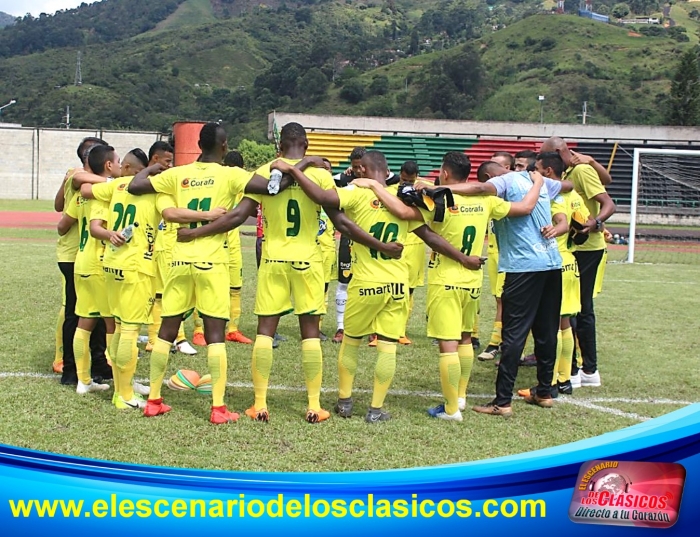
464	227
67	245
166	236
363	207
233	238
126	209
587	184
290	218
202	186
567	204
492	241
90	250
326	232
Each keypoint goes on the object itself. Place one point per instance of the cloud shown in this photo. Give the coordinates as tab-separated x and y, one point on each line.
36	7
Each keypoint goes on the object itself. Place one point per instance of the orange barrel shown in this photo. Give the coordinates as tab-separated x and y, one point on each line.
186	139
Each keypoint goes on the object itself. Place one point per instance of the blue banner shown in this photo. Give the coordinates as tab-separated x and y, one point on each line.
530	492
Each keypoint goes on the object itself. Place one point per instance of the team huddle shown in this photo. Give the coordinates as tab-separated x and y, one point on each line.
143	242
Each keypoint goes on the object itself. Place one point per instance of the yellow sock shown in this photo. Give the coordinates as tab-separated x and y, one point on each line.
556	362
312	363
198	323
567	355
496	334
261	366
181	333
154	327
383	371
579	356
113	349
58	357
159	363
466	361
108	352
450	373
81	350
235	297
347	365
218	363
127	356
475	330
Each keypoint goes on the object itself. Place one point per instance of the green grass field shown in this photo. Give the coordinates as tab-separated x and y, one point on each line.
648	365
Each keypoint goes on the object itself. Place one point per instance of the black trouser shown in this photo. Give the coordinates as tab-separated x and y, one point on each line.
344	260
531	300
588	263
98	339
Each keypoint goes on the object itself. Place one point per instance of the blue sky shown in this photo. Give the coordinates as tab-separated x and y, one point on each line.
35	7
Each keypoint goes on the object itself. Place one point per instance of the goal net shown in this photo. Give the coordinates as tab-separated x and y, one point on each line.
663	218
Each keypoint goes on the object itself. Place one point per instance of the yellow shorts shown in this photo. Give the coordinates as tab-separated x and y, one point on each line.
600	274
414	254
451	311
570	286
235	268
163	261
204	286
496	279
330	266
130	294
280	282
376	308
91	292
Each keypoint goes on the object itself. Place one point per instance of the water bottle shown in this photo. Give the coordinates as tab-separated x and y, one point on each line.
273	187
127	233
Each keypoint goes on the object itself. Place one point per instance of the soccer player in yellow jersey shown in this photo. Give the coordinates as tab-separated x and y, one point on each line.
587	182
91	304
234	159
67	249
496	278
291	269
453	288
199	276
163	153
377	294
414	249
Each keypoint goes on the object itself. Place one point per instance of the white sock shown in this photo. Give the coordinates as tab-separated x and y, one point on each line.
341	297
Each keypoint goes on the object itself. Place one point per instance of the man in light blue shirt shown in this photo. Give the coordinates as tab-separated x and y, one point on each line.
532	289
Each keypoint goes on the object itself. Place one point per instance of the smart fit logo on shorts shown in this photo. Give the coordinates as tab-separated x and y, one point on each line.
622	493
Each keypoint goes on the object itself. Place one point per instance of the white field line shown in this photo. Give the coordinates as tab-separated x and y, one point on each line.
588	403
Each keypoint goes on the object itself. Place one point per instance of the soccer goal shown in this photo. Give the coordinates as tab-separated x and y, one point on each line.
664	211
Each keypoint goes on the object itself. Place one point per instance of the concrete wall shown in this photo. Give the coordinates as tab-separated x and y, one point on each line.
33	162
486	129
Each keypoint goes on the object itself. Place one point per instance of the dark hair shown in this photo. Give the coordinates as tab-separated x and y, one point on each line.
292	133
375	161
159	147
358	153
140	155
233	159
85	146
410	167
511	158
458	163
486	169
99	156
531	156
211	135
553	160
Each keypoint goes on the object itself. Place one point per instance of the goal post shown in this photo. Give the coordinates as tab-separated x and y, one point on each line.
665	202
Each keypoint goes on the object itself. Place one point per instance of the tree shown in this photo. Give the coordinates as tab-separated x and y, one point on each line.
620	10
313	85
379	85
255	154
353	91
684	99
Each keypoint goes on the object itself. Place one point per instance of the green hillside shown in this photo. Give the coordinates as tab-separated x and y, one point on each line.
237	60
